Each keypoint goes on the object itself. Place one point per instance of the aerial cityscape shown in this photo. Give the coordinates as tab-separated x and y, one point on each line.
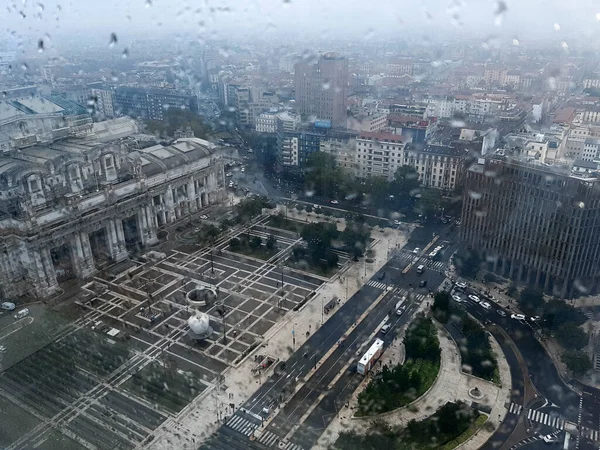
297	226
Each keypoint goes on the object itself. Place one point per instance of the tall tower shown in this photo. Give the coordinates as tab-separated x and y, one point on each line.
322	88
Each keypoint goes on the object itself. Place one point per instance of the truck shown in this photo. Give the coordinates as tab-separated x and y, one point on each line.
369	359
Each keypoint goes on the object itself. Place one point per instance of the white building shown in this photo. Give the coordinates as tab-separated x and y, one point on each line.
378	154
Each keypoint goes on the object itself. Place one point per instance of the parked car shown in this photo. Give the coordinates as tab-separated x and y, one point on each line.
474	298
518	316
334	202
416	250
7	306
400	310
501	312
485	305
461	285
457	298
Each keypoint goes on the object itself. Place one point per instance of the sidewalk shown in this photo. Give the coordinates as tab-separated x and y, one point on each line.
451	385
197	422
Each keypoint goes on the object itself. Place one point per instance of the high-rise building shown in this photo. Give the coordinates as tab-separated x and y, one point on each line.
534	224
322	88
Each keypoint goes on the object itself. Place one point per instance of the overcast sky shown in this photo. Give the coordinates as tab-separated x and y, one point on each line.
373	19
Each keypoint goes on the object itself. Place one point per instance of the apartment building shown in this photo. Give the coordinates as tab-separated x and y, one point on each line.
379	154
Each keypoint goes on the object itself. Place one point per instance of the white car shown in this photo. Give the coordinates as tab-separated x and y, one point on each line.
457	298
461	285
7	306
474	298
334	202
502	312
416	250
204	217
385	328
228	174
518	316
485	305
242	170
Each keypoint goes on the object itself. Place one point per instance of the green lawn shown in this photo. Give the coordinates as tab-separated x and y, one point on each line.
261	252
466	435
289	224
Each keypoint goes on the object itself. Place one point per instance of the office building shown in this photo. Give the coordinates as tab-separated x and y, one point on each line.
534	223
322	88
151	104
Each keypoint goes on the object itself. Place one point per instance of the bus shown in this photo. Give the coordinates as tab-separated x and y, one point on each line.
370	358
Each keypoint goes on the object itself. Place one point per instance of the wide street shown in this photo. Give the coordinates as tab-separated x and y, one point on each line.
310	407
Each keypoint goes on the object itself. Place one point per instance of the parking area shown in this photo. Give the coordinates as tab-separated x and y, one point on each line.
101	379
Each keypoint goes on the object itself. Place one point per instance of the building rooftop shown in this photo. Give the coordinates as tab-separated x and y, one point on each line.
381	136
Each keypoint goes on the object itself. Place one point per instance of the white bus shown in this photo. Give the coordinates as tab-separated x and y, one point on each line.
370	358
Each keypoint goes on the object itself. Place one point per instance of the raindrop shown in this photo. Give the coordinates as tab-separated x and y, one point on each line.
598	16
287	2
326	86
564	45
557	27
475	195
581	205
40	45
24	67
125	54
113	40
499	12
148	3
457	124
22	14
516	42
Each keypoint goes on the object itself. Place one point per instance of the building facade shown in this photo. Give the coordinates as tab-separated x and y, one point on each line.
322	88
533	224
151	104
76	205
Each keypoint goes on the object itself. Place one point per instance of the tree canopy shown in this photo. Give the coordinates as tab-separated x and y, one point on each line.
577	361
178	119
531	300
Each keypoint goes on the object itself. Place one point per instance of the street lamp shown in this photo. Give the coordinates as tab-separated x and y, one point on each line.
294	336
212	266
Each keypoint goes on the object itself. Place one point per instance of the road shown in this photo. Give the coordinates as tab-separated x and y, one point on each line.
555	403
312	406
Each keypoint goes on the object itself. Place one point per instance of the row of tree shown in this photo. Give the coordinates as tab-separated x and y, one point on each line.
326	179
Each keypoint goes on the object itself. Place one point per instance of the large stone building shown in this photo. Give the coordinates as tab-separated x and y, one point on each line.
150	104
534	223
69	206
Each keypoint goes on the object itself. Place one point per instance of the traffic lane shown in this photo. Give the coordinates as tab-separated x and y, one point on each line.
591	408
356	342
310	431
510	421
318	343
541	369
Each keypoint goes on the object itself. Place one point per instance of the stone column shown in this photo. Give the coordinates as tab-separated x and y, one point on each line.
41	272
191	190
152	225
81	255
116	241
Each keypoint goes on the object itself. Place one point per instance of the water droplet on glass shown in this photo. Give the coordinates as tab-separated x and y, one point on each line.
23	16
113	40
499	12
475	195
148	3
598	16
40	45
457	124
557	27
24	67
516	42
564	45
125	54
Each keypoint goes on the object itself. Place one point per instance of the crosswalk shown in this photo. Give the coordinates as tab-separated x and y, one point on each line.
538	416
546	419
241	425
377	284
514	408
407	258
593	435
270	439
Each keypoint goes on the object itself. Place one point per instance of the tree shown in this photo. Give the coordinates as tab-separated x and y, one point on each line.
309	208
531	300
441	306
299	207
323	176
512	290
207	234
271	243
234	243
356	236
255	242
467	262
430	203
571	336
557	313
405	185
577	361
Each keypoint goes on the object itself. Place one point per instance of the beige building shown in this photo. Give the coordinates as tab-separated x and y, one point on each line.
368	122
378	154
